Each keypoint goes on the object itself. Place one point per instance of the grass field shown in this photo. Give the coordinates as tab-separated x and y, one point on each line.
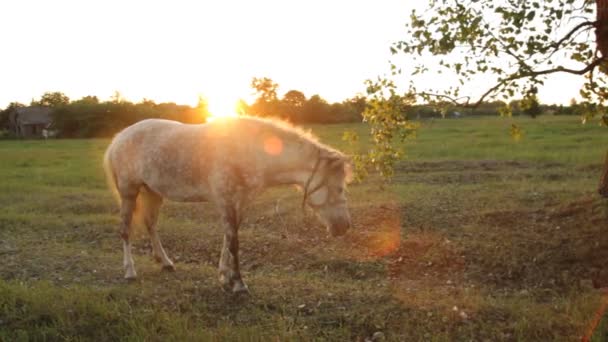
478	238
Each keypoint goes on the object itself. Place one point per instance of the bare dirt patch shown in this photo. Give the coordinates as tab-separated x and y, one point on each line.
459	165
558	246
474	171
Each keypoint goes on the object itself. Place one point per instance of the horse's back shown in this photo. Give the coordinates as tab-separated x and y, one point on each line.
161	155
148	128
184	161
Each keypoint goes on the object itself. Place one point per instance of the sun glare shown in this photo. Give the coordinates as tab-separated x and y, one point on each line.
222	108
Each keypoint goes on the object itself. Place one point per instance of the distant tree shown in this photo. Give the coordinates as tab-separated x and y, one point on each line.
316	109
358	102
242	107
87	100
148	102
294	98
267	102
292	104
530	105
350	110
52	99
117	97
4	114
202	108
265	88
337	112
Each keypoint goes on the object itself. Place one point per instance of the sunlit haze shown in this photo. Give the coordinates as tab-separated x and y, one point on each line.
222	107
174	51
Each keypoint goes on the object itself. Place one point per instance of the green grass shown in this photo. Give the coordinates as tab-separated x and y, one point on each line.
478	238
599	333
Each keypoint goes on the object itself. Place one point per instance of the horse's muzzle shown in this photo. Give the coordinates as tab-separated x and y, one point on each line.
603	192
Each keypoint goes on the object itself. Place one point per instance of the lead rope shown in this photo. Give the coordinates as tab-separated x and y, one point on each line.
306	192
312	175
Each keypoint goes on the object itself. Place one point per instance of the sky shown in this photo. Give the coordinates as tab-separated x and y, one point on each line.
177	50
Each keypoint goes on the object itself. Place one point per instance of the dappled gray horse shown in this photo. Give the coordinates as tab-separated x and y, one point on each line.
226	162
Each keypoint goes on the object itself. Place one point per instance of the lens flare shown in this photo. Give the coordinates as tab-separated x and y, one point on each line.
273	145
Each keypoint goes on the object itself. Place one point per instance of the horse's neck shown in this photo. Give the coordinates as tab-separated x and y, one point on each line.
294	169
298	177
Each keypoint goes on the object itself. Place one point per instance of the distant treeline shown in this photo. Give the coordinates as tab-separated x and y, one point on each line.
90	117
295	107
493	109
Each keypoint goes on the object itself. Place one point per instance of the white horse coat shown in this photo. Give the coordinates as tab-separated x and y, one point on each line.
226	162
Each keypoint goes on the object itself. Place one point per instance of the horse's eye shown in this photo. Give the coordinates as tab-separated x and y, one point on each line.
340	190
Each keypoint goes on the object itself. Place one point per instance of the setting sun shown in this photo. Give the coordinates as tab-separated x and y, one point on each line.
223	108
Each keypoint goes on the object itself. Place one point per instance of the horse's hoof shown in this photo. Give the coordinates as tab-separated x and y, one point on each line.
226	287
236	289
130	278
169	268
239	288
157	259
241	292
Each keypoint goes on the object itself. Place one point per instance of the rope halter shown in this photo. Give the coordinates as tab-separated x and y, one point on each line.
322	183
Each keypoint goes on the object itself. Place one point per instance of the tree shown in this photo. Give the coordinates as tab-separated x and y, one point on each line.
294	98
316	109
292	103
513	44
517	43
88	100
530	106
265	88
5	114
202	108
267	102
52	99
242	107
117	97
358	103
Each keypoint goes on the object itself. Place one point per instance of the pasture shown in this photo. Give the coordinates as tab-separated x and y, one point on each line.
478	238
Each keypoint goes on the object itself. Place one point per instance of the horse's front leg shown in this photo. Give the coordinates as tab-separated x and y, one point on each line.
230	275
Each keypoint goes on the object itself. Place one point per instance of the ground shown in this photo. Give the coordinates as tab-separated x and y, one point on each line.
478	238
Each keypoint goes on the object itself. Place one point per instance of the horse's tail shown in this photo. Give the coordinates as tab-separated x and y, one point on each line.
140	203
110	175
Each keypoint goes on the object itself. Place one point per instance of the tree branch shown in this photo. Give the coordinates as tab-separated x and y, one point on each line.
568	35
514	77
453	100
533	74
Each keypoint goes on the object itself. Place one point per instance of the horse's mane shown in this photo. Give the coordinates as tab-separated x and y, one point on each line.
284	127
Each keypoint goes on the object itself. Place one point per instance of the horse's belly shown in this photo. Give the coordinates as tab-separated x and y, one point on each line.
187	197
176	177
181	192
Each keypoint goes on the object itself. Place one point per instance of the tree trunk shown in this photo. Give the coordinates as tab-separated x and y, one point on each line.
601	28
601	38
603	189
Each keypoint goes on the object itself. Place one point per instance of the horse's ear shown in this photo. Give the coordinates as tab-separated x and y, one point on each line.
340	161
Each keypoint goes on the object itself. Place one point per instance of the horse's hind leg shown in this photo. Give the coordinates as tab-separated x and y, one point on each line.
126	215
151	206
230	275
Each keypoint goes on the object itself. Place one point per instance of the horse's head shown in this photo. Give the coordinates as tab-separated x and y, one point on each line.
325	191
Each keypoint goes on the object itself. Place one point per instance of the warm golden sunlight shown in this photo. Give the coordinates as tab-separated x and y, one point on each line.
223	107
